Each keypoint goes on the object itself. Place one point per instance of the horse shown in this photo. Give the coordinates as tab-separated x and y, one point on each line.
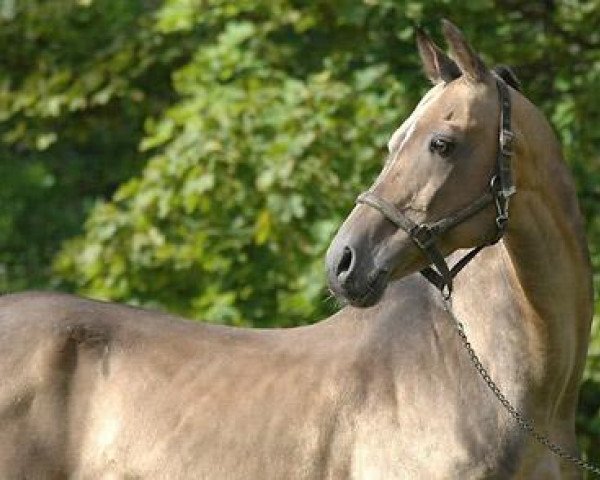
525	297
380	390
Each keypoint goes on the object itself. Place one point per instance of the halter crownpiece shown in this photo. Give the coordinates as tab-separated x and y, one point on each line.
424	235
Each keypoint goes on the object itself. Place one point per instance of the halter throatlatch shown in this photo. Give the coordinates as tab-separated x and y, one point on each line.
425	235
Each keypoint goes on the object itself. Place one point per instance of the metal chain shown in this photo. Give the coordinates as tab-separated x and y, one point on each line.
524	423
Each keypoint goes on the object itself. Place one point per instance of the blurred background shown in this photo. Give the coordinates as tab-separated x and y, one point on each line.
197	156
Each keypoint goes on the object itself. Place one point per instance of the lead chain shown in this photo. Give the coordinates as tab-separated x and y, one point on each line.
524	423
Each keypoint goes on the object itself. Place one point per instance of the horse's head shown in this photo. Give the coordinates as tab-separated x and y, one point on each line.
441	160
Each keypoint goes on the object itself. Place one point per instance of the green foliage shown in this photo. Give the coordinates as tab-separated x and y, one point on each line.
244	174
77	81
214	146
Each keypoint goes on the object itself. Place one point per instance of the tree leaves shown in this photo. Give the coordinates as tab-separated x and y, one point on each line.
247	154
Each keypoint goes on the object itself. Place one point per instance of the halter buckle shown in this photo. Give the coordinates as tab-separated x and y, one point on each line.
422	236
506	140
508	192
501	191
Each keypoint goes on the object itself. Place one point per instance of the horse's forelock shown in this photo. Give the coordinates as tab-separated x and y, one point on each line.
505	73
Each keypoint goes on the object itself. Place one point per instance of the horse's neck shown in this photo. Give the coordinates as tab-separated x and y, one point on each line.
538	279
546	240
550	259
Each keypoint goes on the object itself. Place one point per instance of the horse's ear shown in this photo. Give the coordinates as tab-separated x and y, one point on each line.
471	66
437	65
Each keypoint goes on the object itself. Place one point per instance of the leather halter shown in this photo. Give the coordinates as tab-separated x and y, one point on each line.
425	235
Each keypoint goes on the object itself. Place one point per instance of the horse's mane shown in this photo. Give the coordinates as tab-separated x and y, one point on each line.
506	74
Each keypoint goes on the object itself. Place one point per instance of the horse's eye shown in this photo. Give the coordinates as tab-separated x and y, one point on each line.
442	146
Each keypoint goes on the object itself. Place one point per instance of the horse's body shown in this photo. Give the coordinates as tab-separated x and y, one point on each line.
96	390
93	390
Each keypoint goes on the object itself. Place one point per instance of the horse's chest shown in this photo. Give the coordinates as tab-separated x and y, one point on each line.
428	430
429	454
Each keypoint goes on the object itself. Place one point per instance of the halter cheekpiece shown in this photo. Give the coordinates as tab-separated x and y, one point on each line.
425	235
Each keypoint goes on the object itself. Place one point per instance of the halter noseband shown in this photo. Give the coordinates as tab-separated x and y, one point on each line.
425	234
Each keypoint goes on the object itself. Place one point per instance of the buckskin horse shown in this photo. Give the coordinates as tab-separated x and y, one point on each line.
381	390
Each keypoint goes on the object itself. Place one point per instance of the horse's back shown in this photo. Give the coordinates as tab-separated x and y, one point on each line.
93	389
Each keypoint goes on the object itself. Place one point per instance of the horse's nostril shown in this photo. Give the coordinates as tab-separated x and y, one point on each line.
346	262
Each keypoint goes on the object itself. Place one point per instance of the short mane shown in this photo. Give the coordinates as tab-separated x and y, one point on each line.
506	74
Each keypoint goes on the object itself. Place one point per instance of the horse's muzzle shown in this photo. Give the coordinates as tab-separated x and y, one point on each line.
355	280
